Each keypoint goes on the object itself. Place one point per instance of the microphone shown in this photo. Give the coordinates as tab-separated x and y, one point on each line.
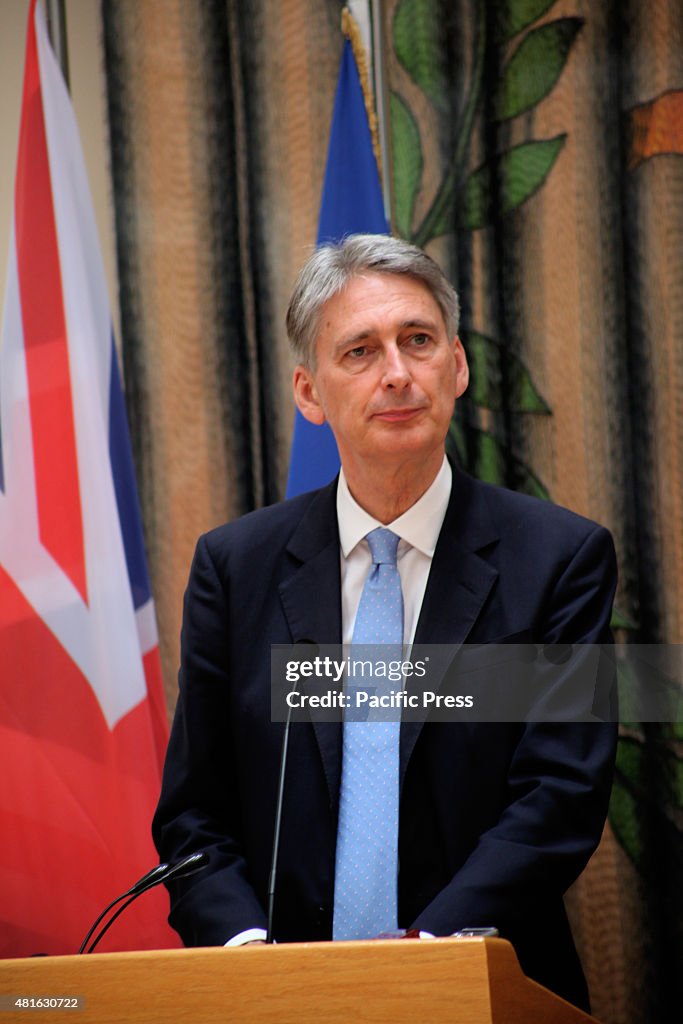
272	878
156	876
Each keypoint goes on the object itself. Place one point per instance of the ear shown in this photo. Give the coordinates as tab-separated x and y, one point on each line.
306	396
462	370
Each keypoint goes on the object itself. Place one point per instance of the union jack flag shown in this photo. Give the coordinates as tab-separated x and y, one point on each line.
83	726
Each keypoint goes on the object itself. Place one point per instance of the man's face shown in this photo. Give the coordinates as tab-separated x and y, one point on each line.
386	375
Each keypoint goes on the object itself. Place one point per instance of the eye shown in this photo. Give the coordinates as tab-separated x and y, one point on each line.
419	340
358	352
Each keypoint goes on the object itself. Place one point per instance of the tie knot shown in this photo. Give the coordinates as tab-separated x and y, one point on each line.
383	546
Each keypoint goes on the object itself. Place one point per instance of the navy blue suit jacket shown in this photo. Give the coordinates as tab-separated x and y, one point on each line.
496	820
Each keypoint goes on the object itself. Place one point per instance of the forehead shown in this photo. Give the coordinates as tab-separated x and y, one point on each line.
373	301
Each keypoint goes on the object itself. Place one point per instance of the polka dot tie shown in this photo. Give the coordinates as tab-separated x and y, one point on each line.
366	874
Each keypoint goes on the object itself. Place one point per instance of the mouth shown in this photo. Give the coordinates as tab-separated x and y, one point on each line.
398	415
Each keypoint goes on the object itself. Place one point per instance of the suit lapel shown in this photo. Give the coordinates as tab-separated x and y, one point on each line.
460	580
311	600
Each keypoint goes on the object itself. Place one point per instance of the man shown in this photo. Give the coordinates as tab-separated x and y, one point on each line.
491	822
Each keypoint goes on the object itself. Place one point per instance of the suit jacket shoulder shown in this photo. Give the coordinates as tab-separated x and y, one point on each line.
508	563
271	525
517	515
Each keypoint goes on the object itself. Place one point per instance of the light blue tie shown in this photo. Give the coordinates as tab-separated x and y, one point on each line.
366	874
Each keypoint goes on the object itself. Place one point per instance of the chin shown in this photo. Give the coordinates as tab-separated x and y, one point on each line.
408	448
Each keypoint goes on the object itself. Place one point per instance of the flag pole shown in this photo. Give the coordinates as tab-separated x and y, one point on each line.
56	29
381	101
362	24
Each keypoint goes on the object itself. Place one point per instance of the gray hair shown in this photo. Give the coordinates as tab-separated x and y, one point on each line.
333	265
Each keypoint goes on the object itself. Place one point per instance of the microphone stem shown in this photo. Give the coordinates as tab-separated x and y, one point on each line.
278	821
102	915
105	927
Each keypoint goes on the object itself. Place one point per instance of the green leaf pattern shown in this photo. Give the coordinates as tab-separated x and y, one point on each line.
407	168
490	363
535	66
634	799
515	15
510	179
624	808
416	41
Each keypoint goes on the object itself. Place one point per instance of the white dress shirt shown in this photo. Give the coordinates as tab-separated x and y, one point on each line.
418	528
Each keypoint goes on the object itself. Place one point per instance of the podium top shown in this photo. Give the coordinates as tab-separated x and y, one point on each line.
477	981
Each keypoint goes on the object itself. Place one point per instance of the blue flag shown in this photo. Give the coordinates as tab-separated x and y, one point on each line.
351	203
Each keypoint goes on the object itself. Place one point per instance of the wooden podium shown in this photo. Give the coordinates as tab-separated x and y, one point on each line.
473	981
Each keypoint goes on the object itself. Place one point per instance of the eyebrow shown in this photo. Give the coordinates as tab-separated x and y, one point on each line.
428	325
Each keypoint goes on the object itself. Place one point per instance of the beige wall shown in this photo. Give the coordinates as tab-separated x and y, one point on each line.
88	92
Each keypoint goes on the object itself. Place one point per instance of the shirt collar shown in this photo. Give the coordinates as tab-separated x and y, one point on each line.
418	526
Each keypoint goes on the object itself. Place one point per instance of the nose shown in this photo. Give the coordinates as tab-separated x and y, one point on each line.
396	373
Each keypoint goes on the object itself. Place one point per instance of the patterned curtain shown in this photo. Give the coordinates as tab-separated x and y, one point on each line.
536	151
